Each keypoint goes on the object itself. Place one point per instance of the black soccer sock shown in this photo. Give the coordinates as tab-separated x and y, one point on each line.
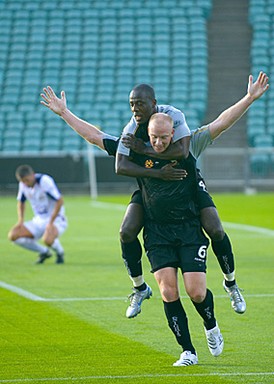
230	283
132	254
206	310
178	323
224	254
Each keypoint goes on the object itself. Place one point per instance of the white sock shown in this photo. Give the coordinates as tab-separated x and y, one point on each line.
137	281
57	247
229	276
31	244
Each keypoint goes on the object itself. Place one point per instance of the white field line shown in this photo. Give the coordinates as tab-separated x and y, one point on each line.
30	296
20	292
216	374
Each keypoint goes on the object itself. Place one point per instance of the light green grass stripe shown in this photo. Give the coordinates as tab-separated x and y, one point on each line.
243	227
216	374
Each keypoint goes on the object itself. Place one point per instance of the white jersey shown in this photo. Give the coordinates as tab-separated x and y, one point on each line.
180	126
42	196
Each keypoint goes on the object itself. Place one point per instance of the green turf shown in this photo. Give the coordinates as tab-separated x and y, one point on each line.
91	341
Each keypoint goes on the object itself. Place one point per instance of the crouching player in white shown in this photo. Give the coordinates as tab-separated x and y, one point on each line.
49	221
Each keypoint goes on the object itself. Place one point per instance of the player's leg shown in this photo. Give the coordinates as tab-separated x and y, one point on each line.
221	246
25	235
163	258
132	253
175	314
193	265
51	238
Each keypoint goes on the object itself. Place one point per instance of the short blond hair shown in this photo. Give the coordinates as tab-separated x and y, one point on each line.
160	116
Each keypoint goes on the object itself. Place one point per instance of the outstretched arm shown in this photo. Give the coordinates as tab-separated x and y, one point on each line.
231	115
59	106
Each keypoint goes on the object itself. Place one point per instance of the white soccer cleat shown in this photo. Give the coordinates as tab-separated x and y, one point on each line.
236	298
136	299
186	358
215	340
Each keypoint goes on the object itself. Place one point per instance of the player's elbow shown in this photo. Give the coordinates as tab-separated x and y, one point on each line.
120	169
184	154
120	166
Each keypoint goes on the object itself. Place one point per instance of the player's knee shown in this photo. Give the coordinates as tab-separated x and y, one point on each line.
127	234
12	236
216	233
47	241
197	295
169	293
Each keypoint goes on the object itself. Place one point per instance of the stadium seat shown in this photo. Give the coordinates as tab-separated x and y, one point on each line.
11	145
260	164
263	141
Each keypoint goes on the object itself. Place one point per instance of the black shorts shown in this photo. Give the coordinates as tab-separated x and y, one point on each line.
181	246
204	199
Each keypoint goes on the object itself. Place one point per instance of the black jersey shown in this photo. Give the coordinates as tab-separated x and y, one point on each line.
168	201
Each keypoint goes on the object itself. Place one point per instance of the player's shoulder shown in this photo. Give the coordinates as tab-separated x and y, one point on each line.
130	126
168	109
44	179
204	130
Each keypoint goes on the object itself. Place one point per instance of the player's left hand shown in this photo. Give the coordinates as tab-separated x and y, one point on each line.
259	87
132	142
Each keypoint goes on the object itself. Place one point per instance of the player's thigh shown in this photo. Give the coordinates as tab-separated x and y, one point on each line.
211	223
57	229
195	285
19	230
50	234
133	221
168	283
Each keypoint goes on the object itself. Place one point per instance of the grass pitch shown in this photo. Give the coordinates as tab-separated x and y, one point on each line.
66	323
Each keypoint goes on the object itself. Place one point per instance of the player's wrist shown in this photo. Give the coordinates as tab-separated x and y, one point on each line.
64	112
250	98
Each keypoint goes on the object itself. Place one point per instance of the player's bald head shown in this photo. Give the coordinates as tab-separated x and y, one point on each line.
161	121
144	90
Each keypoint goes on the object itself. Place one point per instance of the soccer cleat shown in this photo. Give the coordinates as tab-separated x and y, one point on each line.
136	299
43	257
59	258
215	340
186	358
236	298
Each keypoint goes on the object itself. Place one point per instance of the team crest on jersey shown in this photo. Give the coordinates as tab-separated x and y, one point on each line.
149	164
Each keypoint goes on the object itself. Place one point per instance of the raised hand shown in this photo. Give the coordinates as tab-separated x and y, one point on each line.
259	87
51	101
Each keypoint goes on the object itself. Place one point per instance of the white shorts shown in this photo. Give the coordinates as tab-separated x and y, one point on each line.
37	225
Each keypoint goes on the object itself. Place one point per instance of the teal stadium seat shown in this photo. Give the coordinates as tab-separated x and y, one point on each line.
11	145
260	164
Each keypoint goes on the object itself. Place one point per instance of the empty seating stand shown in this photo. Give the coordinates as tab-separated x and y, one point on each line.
260	126
97	54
